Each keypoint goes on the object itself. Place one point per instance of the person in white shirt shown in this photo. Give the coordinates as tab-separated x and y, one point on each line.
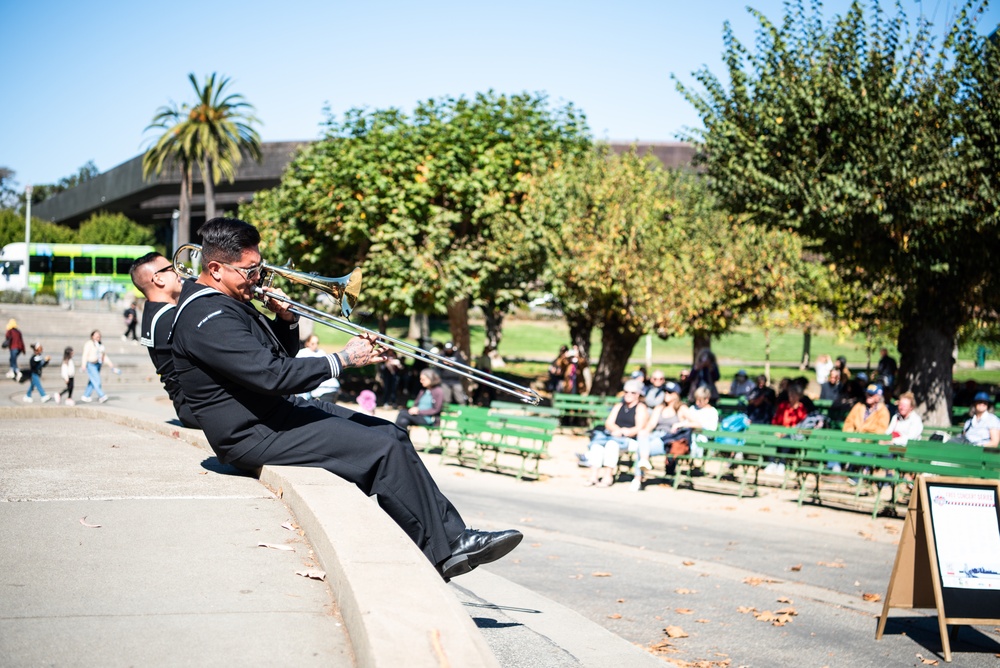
328	389
905	425
983	428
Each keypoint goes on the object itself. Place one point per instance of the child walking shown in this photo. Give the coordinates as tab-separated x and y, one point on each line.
36	364
68	373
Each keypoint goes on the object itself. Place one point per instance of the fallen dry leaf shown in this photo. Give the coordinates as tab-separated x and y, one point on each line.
871	597
743	609
688	563
891	528
866	535
614	616
785	599
621	600
832	564
791	612
202	472
675	632
272	546
703	621
175	434
796	568
600	574
83	521
684	611
753	582
312	573
662	647
765	509
929	662
683	591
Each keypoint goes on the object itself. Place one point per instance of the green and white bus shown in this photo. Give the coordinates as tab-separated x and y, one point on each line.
70	271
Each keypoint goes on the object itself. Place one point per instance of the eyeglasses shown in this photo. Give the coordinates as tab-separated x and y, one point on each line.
169	267
249	273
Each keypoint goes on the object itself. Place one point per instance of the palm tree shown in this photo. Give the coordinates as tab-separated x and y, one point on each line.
170	151
219	130
214	134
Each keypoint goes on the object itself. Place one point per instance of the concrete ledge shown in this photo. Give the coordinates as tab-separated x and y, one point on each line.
397	609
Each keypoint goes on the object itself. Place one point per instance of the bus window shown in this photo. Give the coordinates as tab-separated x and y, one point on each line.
62	264
83	265
41	264
104	265
123	265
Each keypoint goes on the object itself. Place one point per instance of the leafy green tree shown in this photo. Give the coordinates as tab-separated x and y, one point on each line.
214	133
853	133
607	226
428	205
8	191
42	231
113	228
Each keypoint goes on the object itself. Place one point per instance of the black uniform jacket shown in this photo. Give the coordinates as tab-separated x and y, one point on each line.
157	318
237	370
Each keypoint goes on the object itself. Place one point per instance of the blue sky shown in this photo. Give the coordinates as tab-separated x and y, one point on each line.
81	80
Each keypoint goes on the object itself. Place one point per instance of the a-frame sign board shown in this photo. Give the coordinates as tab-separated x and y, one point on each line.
949	554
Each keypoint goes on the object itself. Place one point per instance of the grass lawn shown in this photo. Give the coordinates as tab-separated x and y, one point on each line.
528	346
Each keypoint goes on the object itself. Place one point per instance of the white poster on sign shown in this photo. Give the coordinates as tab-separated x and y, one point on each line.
966	535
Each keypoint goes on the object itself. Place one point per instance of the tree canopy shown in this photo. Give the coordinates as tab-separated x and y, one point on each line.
429	205
877	143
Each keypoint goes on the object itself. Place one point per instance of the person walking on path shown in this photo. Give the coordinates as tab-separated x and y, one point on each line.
36	364
95	357
239	376
68	373
131	320
14	342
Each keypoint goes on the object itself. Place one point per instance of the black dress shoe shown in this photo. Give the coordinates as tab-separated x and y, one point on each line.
475	548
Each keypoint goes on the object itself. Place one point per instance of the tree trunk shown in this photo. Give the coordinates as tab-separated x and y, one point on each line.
184	208
702	340
206	177
616	348
926	364
420	329
807	336
494	324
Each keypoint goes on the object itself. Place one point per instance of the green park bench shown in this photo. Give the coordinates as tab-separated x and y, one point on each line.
582	411
487	440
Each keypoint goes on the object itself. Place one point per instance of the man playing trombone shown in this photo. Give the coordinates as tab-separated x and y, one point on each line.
239	374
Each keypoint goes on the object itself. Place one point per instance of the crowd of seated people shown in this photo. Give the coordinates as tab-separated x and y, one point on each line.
654	419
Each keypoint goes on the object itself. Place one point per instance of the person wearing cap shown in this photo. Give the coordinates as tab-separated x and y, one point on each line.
657	438
983	428
741	385
870	417
656	390
14	343
620	431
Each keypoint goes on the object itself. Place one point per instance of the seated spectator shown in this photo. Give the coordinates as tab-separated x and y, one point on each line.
657	436
983	428
870	417
426	408
841	365
741	385
702	415
831	389
655	391
905	424
620	430
329	389
557	370
792	411
760	405
684	380
824	364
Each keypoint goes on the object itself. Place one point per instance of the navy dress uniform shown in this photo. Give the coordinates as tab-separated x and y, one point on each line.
157	319
238	373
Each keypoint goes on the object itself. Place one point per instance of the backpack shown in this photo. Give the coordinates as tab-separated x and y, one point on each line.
734	422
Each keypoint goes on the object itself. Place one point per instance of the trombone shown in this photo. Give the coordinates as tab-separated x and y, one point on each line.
345	292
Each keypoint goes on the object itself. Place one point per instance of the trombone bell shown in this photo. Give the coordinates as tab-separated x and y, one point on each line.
344	290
